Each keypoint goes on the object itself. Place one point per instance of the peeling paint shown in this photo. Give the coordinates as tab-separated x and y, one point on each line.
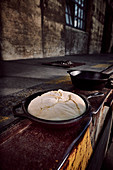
80	155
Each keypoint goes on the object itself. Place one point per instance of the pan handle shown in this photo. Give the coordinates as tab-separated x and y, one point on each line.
108	70
110	74
17	111
109	83
110	80
96	94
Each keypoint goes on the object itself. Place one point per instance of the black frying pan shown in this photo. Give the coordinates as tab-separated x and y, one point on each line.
21	110
89	80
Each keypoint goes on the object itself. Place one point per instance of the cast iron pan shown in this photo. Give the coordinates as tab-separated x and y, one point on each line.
21	110
89	80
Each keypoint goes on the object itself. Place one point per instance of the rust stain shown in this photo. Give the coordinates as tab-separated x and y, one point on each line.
80	155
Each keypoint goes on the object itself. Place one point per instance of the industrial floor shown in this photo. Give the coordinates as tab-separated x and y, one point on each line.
18	75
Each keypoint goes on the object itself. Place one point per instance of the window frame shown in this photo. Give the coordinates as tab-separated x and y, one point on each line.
79	16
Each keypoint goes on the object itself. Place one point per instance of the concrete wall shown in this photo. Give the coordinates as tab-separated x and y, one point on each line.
107	40
111	42
21	29
32	29
76	41
97	26
54	28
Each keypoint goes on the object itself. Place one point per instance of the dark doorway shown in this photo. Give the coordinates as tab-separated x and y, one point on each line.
107	29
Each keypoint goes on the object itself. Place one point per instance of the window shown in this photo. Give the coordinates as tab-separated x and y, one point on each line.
75	13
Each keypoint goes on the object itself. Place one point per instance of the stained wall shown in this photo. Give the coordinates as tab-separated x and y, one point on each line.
37	29
21	29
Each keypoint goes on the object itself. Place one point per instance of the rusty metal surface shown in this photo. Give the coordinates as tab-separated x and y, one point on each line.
80	154
98	119
32	146
29	145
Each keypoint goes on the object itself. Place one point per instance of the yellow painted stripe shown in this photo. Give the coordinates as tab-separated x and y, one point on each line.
3	118
111	61
101	65
64	79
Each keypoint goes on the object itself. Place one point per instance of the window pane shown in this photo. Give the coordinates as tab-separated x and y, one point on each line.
67	19
75	13
79	1
78	23
66	9
82	4
70	20
76	9
81	24
75	22
81	14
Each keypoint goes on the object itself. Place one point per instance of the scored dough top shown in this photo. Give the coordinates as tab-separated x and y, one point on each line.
57	105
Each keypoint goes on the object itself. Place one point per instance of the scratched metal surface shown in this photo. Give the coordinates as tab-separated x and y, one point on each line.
36	147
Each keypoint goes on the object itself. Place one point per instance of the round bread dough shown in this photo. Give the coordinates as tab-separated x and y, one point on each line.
57	105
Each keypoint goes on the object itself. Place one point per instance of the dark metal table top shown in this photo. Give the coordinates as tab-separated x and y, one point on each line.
29	145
